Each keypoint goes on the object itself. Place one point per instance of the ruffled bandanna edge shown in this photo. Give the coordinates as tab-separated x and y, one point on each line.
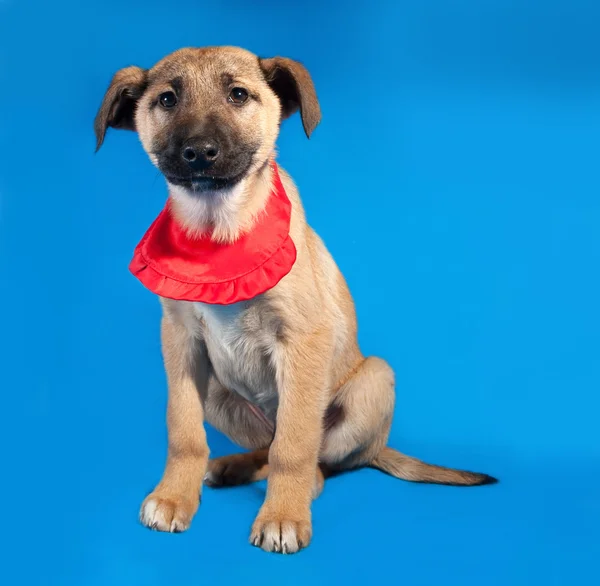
241	288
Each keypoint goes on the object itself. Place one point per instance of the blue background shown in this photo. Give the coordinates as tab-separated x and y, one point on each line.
455	179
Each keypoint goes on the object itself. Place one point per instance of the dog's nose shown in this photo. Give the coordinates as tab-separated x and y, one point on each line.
201	154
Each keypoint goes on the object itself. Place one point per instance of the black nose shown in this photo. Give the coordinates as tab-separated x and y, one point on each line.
200	154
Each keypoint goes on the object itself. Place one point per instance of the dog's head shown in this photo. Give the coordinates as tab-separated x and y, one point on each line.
208	117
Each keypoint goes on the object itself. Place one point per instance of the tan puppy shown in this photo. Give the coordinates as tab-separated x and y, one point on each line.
282	374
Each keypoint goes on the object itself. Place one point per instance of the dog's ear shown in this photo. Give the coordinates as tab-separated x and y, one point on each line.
295	89
118	106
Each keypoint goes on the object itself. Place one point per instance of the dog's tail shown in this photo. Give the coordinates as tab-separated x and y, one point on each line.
406	468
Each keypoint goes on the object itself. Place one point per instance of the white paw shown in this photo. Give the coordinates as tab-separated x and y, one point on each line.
171	514
280	536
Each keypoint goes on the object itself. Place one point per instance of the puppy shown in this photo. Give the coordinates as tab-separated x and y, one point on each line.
280	371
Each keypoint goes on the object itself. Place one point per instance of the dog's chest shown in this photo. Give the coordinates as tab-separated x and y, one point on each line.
239	346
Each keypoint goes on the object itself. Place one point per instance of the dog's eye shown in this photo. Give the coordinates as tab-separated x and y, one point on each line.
167	100
238	95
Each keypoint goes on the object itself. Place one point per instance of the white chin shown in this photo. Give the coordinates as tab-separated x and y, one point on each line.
204	205
198	190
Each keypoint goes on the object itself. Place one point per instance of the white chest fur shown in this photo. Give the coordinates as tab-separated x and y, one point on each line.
223	323
239	353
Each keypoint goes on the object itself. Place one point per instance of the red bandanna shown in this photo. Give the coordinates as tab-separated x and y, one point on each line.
174	265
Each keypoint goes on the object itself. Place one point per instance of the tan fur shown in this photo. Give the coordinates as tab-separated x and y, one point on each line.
282	374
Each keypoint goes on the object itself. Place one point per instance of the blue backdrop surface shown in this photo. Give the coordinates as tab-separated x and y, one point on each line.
455	179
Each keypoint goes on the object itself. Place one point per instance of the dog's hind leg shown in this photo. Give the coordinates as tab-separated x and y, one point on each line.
358	438
361	417
238	469
246	468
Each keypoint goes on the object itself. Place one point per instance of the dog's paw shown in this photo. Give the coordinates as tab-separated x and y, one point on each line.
279	534
167	513
231	471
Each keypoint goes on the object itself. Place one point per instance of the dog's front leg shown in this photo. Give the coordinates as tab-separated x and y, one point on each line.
175	500
284	521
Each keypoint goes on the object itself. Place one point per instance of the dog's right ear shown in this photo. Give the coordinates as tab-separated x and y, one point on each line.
118	106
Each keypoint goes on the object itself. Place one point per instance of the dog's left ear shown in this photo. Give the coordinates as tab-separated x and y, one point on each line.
294	87
118	106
